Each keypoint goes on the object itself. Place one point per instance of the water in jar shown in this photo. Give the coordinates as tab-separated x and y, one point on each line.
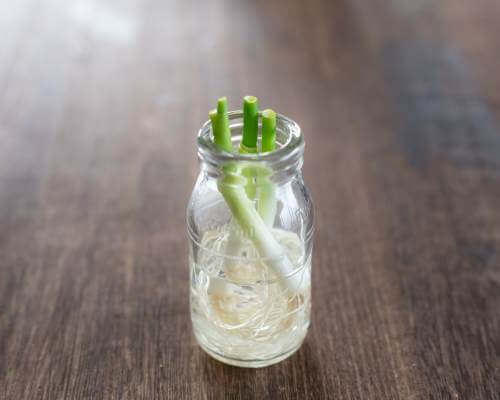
240	309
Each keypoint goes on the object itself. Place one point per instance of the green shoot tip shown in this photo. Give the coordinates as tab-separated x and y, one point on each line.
250	99
222	105
268	113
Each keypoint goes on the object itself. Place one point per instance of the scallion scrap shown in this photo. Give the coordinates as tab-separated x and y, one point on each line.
242	182
268	130
220	126
250	125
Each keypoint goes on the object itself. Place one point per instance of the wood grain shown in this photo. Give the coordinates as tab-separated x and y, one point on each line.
99	106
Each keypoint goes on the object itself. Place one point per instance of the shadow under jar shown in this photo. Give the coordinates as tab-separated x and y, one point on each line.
250	289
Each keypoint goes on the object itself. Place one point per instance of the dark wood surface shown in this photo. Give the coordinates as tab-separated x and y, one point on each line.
100	103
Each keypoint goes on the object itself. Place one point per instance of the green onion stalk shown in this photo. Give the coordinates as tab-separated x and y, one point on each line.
242	183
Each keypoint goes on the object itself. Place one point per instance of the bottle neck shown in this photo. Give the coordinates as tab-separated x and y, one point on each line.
280	166
276	173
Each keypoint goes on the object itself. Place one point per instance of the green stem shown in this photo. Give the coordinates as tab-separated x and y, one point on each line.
267	197
249	141
220	126
250	125
268	130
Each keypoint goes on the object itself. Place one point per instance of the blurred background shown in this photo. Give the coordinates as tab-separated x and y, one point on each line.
100	104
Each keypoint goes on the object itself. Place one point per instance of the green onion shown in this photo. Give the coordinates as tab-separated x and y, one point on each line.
268	130
220	126
267	199
242	182
250	125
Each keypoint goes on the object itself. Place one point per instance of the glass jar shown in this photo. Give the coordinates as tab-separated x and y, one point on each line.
250	292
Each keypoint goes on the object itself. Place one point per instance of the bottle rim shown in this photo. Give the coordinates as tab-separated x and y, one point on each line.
290	143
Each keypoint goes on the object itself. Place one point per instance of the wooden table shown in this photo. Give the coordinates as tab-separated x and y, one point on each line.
400	107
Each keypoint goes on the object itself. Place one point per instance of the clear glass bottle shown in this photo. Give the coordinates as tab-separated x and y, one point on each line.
250	303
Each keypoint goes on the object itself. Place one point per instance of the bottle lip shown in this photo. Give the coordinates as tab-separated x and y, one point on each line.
290	145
